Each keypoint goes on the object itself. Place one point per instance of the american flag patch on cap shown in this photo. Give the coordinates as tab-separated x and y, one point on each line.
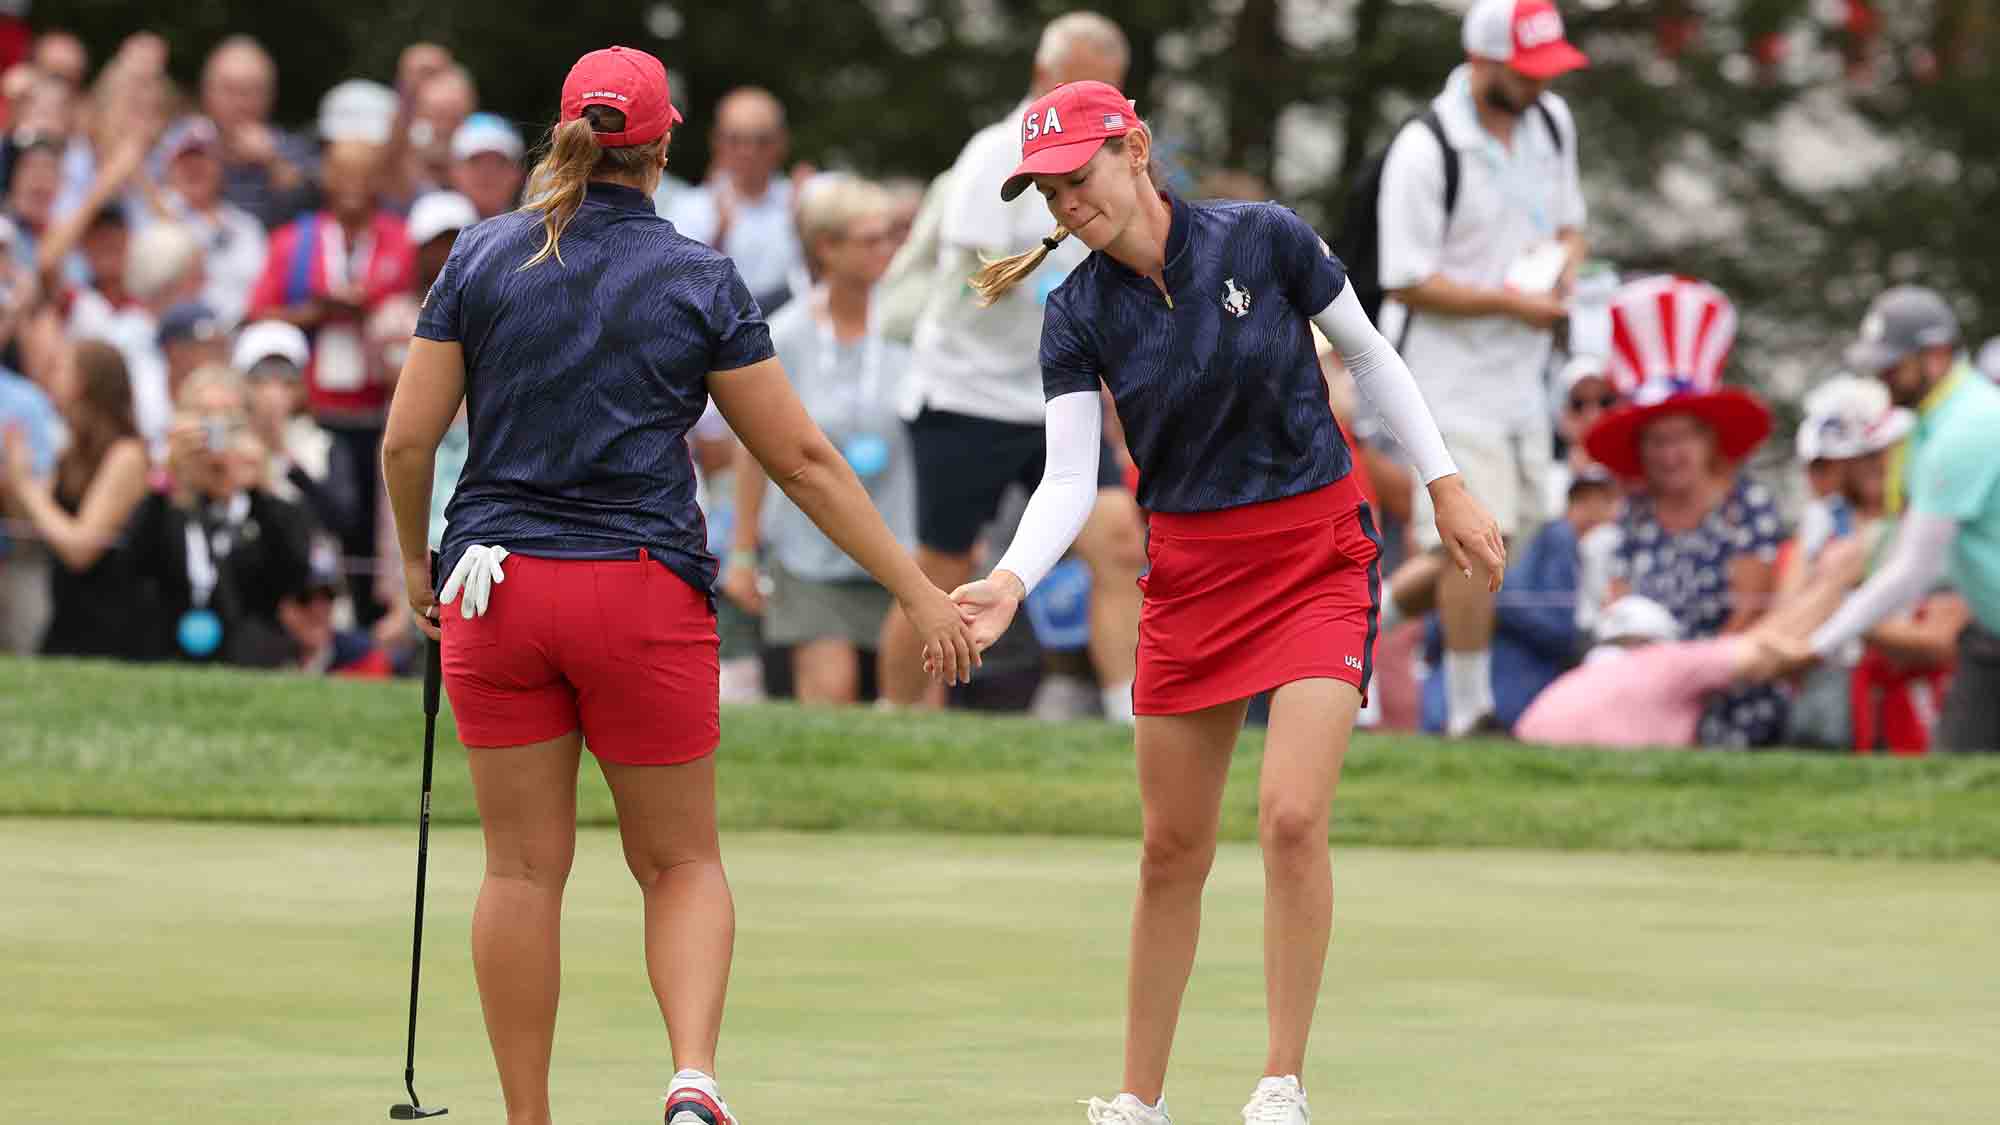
1114	121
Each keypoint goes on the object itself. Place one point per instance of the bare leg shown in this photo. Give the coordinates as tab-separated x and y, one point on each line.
666	817
1465	609
527	809
1414	585
1311	721
826	672
1183	763
903	680
1113	545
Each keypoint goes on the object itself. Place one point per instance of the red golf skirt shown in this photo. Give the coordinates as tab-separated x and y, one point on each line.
625	651
1243	600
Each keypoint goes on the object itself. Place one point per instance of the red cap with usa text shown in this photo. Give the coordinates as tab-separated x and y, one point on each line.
1064	128
628	80
1527	35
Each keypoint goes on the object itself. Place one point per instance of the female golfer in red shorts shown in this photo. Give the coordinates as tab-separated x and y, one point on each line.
585	337
1262	553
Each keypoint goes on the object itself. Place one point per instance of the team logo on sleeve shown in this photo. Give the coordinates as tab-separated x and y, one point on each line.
1235	301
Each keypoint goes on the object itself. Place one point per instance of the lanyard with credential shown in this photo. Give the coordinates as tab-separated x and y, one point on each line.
344	266
200	628
867	452
340	363
829	345
1899	457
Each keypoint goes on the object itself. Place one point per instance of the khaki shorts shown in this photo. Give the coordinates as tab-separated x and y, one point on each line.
1506	472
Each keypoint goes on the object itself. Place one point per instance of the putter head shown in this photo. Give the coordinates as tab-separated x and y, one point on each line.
415	1112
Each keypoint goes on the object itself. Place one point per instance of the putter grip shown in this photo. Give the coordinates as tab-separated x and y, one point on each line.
433	677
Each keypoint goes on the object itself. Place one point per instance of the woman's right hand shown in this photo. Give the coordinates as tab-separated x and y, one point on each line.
1468	533
423	603
990	605
949	652
740	586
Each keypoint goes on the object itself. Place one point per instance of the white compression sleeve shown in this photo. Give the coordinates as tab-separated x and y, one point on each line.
1923	546
1382	376
1062	502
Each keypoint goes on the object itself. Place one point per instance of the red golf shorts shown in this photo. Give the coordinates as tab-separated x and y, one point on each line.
625	651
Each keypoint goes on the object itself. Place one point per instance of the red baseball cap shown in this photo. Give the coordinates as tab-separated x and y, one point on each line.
1065	127
628	80
1527	35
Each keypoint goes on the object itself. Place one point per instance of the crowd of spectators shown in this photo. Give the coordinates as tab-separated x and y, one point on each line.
203	315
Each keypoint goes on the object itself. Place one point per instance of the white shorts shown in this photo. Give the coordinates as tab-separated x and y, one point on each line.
1506	472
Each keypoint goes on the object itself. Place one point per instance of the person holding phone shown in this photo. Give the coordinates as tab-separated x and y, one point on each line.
220	550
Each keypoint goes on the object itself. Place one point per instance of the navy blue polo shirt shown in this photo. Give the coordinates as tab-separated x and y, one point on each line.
582	379
1219	392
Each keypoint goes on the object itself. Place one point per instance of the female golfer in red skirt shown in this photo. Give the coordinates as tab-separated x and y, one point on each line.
585	337
1262	553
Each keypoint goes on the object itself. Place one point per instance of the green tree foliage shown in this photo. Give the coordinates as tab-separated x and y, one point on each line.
1687	118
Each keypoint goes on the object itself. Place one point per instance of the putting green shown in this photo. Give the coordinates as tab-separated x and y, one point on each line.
216	974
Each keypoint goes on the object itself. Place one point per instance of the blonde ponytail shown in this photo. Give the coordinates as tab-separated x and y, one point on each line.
998	275
570	160
560	178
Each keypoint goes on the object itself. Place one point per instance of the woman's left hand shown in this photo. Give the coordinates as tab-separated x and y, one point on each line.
989	605
1467	531
423	603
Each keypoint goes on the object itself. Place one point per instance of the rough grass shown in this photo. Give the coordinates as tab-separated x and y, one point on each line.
87	739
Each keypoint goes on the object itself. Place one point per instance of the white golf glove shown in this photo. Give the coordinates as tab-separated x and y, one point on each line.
477	572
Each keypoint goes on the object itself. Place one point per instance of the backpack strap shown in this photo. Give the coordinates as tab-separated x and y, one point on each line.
1431	121
1548	117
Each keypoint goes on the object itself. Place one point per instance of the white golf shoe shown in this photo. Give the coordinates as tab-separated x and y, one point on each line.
1125	1109
694	1099
1278	1101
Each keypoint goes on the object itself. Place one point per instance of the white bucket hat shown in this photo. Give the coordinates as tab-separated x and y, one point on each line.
1849	416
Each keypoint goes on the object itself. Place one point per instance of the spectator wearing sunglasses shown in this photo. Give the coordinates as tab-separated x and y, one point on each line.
1586	393
745	207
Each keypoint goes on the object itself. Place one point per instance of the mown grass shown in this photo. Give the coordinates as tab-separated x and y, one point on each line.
232	974
85	739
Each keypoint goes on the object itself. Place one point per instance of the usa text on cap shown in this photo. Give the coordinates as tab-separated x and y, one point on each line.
1527	35
1064	128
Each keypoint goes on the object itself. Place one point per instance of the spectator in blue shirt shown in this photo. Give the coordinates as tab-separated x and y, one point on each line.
1535	638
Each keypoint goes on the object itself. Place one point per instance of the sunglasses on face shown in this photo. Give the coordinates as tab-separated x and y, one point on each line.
1581	403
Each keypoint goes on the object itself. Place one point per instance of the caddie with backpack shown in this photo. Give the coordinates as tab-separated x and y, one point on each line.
1462	240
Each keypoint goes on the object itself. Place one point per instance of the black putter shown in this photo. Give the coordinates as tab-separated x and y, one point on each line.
414	1109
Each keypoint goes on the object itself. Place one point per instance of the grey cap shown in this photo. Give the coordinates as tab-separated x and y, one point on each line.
1900	321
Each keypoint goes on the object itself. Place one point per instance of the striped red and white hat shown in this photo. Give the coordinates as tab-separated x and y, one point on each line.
1670	341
